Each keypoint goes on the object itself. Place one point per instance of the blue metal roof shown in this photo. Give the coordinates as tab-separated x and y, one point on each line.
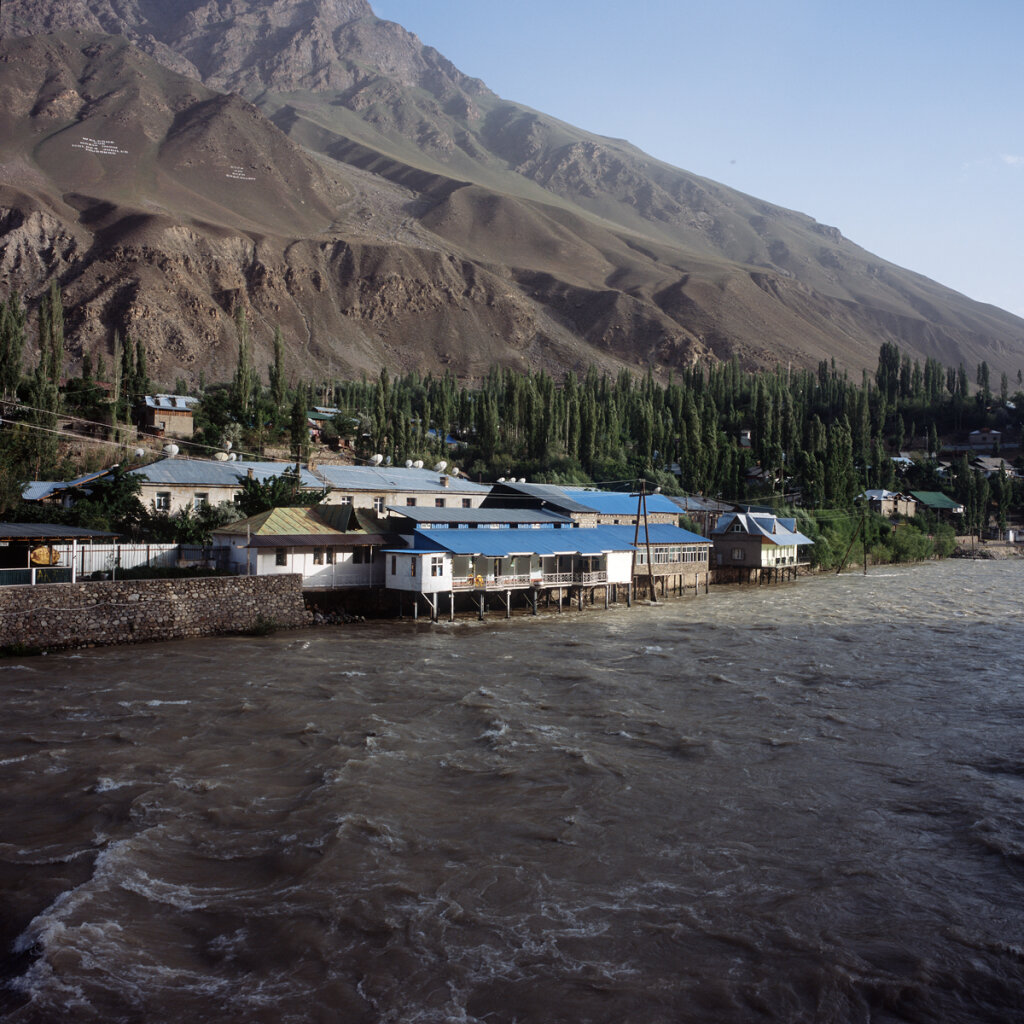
588	540
659	533
426	514
516	495
614	503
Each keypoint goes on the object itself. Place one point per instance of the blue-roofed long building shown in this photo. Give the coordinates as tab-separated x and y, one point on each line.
502	559
585	506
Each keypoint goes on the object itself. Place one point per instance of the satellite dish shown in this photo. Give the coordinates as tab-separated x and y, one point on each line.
522	479
221	456
418	464
501	479
140	453
455	470
440	467
227	446
171	449
387	461
377	459
232	457
408	463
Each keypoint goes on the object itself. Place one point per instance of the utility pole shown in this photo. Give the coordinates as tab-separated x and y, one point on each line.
641	509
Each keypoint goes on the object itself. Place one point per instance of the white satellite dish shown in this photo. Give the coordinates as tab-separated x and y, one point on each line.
140	453
408	463
232	457
418	464
501	479
522	479
171	449
387	461
227	446
377	459
440	467
455	470
221	456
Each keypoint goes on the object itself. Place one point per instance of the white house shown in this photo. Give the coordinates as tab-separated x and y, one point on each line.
304	541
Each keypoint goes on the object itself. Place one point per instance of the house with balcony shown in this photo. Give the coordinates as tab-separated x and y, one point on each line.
503	561
757	541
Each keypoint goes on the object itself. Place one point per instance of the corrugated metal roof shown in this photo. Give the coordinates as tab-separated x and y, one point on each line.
48	532
347	540
425	514
210	473
936	500
768	528
589	540
613	503
396	478
695	503
171	403
39	489
515	495
282	522
659	533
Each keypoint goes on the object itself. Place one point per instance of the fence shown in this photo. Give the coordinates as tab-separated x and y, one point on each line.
110	559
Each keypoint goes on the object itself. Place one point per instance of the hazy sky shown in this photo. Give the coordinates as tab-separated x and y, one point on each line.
901	122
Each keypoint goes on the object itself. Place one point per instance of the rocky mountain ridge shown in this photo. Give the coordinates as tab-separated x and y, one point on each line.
382	208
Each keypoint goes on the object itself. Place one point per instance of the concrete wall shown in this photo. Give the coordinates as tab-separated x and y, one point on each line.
60	615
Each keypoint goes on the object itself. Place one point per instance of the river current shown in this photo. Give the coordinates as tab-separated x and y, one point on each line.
790	803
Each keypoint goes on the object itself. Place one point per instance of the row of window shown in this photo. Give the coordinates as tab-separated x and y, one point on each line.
440	502
327	555
436	565
162	501
671	554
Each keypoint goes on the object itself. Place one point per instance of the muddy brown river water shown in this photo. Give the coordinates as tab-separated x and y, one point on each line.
797	803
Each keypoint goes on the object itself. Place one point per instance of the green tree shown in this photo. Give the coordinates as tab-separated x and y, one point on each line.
282	491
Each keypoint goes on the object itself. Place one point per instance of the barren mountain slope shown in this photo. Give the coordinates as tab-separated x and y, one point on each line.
442	226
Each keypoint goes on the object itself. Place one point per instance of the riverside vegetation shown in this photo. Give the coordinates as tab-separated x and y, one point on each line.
800	441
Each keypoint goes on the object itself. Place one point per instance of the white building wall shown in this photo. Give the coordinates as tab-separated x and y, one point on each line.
420	582
620	566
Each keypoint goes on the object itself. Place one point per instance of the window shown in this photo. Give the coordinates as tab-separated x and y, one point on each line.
412	565
329	555
199	500
357	556
436	565
738	555
394	564
378	504
346	499
467	502
318	556
439	503
410	501
162	501
280	556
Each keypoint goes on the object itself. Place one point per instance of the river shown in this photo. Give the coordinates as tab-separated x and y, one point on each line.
790	803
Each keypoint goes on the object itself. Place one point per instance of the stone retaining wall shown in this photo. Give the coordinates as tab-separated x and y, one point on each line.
60	615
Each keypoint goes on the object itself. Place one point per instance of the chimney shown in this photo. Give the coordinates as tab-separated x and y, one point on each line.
444	481
250	473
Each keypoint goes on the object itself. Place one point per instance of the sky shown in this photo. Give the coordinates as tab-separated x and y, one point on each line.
901	122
